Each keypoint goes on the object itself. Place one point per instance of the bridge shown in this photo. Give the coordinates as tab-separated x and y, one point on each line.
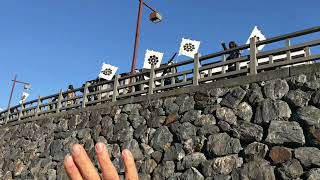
193	72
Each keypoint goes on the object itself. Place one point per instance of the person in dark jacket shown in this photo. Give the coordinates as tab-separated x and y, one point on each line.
232	54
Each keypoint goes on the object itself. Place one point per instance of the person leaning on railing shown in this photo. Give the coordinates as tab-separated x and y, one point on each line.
70	95
232	54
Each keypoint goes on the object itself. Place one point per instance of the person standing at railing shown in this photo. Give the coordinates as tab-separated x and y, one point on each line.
232	54
70	95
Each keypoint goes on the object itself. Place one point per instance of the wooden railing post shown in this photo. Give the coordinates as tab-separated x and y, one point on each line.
8	115
223	70
151	80
253	56
38	106
173	78
59	101
115	92
84	95
20	111
288	44
196	74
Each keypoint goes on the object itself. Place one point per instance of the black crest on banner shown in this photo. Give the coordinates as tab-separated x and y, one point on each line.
189	47
153	60
107	72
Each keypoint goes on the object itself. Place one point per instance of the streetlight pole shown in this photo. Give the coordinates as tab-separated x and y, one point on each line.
11	93
15	81
136	40
154	17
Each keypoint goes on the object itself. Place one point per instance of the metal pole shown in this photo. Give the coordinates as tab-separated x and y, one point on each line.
13	85
136	41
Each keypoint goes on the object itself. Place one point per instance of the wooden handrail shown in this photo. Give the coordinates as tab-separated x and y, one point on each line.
42	104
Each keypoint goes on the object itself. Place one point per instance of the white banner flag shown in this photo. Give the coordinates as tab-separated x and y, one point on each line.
107	71
152	57
23	97
189	47
256	32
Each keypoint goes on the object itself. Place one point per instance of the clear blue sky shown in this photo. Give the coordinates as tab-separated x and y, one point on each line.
55	43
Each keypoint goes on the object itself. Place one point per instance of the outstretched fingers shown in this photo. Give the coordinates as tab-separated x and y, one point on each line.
109	172
84	164
71	168
130	166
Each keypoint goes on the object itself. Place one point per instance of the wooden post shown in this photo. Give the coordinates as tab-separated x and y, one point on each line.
288	44
253	56
151	80
196	75
59	101
270	59
84	96
224	67
8	115
173	78
237	66
38	106
20	112
115	88
307	51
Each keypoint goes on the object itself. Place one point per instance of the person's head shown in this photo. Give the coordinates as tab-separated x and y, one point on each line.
70	87
232	44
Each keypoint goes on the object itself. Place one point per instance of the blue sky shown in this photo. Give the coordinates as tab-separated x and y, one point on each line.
55	43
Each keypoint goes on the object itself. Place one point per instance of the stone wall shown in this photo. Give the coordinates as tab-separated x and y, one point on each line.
263	130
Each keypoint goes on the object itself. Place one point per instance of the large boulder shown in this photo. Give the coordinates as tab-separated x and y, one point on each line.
234	97
185	103
192	160
254	94
297	98
255	150
316	99
164	170
225	165
249	132
257	169
162	139
222	144
308	156
280	154
269	110
227	115
313	174
244	111
309	116
276	89
191	174
284	132
183	131
290	170
174	153
133	146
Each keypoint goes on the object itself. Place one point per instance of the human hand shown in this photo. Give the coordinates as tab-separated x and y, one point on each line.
79	166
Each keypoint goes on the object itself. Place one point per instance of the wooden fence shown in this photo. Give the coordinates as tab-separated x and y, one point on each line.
199	70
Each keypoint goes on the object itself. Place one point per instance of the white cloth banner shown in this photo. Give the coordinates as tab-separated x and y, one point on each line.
152	57
256	32
189	47
107	71
24	97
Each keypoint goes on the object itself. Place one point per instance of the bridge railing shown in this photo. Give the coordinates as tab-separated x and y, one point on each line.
192	72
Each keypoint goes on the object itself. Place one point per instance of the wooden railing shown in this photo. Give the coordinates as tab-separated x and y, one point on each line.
199	70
